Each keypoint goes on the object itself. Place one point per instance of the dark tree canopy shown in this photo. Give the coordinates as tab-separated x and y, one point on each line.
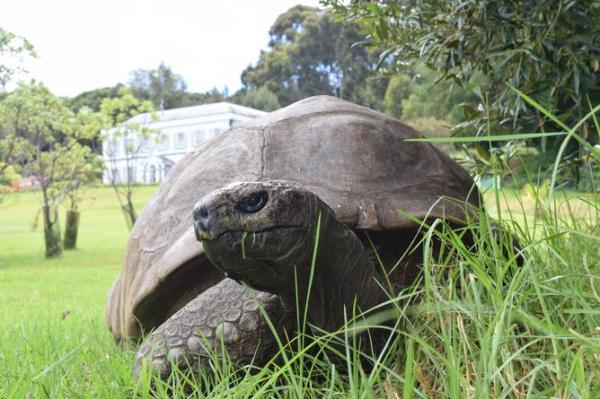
167	89
163	87
93	98
260	98
549	49
418	93
311	53
160	86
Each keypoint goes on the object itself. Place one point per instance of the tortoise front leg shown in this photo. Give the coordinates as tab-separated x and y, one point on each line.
226	314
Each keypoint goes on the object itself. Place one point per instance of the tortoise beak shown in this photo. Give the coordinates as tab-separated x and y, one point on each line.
203	230
205	222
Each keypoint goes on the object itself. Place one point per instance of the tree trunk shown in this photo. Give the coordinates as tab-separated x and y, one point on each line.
71	229
129	213
52	237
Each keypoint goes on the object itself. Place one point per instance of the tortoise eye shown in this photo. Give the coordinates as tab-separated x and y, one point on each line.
252	203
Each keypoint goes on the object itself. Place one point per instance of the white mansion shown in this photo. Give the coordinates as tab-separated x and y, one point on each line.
182	129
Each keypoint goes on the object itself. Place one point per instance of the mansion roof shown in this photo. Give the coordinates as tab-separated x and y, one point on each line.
195	112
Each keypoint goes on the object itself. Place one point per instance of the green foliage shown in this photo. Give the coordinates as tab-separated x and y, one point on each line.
431	126
13	146
261	98
12	48
125	106
312	53
37	122
212	96
163	87
41	136
166	89
546	48
8	175
39	129
502	162
398	90
83	167
419	92
93	99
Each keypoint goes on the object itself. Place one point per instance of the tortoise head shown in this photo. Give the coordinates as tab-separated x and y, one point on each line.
259	232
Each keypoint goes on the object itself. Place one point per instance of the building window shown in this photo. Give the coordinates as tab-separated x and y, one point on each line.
199	137
114	176
152	173
145	146
163	144
130	174
180	140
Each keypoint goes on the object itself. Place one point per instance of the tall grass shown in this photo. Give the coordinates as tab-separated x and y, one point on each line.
483	321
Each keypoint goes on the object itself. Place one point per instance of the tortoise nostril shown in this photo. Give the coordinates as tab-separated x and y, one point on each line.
201	213
203	220
203	224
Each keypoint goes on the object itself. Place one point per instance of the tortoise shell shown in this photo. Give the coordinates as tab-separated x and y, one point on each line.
355	159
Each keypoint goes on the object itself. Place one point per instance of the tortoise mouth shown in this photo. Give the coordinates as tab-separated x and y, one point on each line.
243	234
238	247
259	259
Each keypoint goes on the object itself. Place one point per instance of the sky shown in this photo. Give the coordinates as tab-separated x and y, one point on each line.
87	44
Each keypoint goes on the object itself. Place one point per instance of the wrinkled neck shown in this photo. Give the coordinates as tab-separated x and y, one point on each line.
344	279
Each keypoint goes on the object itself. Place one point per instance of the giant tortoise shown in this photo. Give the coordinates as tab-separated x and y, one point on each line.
245	207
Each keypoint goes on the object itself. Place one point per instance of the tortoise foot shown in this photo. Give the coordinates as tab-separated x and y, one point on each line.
226	318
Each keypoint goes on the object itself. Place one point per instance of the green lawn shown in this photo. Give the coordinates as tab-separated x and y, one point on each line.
477	335
53	339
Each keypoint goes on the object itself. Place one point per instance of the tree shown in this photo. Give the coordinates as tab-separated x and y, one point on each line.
45	130
163	87
398	90
13	146
312	53
418	98
548	49
83	167
167	89
124	143
261	98
92	99
212	96
12	48
418	92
